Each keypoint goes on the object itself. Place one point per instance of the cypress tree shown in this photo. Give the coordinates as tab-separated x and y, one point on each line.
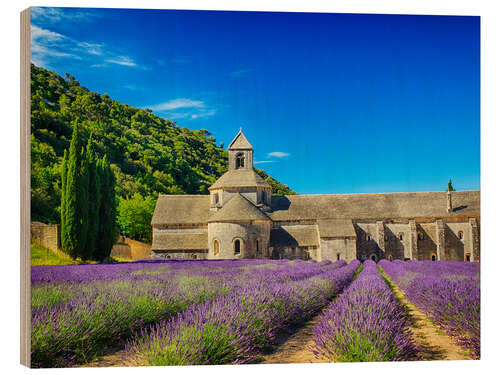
72	210
83	202
63	194
450	186
74	198
94	199
88	207
107	212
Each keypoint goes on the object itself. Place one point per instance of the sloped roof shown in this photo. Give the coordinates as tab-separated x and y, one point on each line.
238	208
336	228
240	142
180	241
374	206
239	178
181	209
294	235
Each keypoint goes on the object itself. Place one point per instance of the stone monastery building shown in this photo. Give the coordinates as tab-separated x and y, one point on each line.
242	219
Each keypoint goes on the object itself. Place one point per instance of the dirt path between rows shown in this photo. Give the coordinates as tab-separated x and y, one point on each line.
293	345
293	348
434	343
115	357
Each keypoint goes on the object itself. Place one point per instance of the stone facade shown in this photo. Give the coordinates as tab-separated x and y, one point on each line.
47	235
241	219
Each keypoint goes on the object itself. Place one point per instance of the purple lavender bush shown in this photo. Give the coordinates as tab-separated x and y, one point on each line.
77	311
448	292
364	324
235	327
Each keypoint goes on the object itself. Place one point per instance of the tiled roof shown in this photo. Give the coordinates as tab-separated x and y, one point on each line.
373	206
180	241
336	228
240	142
240	178
238	208
294	235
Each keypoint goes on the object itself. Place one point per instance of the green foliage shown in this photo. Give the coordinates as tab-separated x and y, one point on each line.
107	231
75	214
87	203
450	187
147	154
95	198
134	216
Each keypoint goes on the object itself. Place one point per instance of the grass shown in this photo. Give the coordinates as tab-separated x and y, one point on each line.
42	256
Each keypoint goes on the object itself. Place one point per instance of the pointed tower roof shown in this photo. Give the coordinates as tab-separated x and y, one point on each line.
240	142
238	208
239	178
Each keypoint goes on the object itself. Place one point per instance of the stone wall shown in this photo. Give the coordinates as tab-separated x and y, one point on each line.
132	249
47	235
427	241
179	254
338	248
247	233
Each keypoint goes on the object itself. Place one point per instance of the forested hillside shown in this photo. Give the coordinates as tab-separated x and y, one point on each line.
148	154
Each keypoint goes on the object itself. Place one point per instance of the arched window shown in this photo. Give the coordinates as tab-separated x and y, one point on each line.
368	237
338	256
237	247
433	257
400	236
215	198
420	236
263	196
467	257
216	247
240	160
460	234
373	257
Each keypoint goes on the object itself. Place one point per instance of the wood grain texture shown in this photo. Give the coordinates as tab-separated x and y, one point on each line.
25	189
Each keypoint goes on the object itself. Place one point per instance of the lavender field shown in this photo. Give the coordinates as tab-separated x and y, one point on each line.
230	312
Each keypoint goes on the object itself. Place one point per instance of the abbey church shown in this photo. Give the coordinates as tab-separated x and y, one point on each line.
240	218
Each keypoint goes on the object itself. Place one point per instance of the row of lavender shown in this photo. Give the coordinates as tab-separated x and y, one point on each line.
78	310
236	327
447	291
365	323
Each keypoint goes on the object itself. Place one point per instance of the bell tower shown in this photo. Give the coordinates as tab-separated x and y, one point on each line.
240	153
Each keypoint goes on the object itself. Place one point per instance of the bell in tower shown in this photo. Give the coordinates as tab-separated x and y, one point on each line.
240	153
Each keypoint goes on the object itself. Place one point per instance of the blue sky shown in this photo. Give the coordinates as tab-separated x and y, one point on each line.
332	103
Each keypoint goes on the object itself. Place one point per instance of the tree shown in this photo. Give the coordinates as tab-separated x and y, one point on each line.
95	198
64	168
450	187
87	202
134	216
107	212
75	187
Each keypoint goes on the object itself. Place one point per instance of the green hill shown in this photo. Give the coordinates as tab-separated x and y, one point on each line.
148	154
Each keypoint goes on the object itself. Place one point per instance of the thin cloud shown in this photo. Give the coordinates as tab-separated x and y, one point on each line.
49	15
184	108
240	72
265	161
121	60
178	103
48	46
278	154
